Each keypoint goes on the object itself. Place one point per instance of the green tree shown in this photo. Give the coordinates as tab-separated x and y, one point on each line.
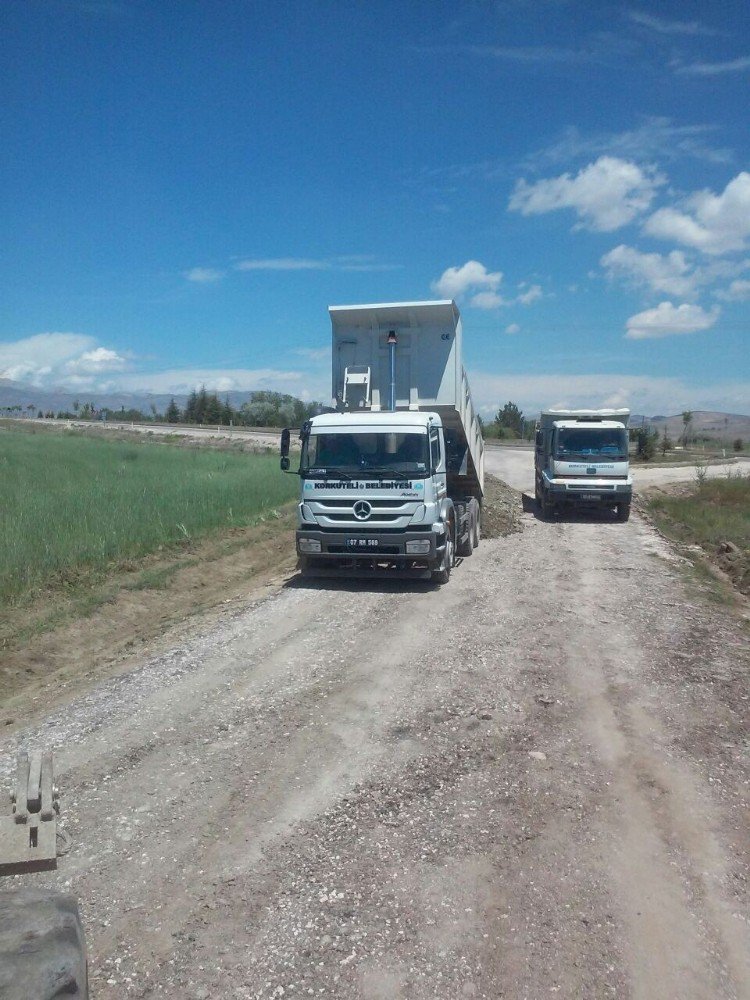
666	442
173	412
511	418
687	420
211	409
227	413
646	441
191	408
200	405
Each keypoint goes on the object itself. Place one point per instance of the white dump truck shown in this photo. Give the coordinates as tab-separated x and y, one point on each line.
392	480
581	460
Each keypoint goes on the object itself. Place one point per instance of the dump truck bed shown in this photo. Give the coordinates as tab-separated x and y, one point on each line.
429	371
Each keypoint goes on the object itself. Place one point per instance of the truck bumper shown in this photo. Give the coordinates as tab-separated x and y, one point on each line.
568	493
373	553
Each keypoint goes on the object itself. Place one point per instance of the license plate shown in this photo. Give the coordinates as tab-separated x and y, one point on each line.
362	543
589	496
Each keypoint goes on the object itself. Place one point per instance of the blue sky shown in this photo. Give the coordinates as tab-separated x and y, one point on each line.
186	187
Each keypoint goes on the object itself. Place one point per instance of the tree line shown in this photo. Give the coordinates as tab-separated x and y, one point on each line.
260	409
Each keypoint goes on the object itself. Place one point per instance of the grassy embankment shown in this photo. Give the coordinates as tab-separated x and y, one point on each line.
714	515
75	509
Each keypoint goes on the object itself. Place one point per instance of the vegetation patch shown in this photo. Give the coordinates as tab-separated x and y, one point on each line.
74	506
713	516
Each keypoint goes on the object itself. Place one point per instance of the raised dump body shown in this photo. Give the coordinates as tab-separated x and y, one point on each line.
581	460
408	356
393	479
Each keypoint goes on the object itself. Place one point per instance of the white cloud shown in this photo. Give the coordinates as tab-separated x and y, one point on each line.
740	65
470	277
203	275
738	291
39	358
183	380
667	320
715	224
473	279
513	328
101	359
531	54
283	264
487	300
314	354
74	361
656	138
642	393
530	295
58	359
669	274
665	27
606	194
349	262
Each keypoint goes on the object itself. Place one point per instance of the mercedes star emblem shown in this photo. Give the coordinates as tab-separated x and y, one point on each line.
362	510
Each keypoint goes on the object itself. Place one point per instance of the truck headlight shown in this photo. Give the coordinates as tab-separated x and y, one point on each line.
309	545
418	546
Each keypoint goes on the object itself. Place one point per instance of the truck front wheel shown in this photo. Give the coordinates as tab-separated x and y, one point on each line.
464	545
623	511
443	574
548	508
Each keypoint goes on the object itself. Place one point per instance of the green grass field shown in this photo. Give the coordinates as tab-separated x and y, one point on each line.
70	505
716	511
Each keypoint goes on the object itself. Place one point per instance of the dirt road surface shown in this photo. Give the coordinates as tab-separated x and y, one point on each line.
530	782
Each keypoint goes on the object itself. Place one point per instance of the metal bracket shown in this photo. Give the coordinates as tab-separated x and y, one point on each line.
28	837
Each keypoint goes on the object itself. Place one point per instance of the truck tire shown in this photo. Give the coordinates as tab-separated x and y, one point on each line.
464	546
443	574
623	511
548	508
476	524
42	947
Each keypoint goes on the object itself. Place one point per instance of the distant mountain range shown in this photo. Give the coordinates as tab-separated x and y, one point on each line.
18	394
708	423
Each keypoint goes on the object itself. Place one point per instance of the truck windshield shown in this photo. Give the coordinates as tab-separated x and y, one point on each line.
351	453
603	443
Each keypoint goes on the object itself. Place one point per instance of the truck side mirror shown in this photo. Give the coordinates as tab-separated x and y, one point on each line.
539	439
285	438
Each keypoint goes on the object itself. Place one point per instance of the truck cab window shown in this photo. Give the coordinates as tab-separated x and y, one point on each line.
353	452
435	456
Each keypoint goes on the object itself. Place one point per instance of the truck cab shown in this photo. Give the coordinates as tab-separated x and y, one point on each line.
582	460
374	487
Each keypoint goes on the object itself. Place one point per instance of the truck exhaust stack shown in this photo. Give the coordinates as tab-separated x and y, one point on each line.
392	363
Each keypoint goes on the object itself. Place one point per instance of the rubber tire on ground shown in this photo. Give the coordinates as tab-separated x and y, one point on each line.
547	507
42	946
623	511
303	564
476	524
463	545
443	574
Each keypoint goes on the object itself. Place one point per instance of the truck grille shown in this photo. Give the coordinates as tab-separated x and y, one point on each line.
340	512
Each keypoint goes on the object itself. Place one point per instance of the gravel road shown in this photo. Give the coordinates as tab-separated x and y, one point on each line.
529	782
